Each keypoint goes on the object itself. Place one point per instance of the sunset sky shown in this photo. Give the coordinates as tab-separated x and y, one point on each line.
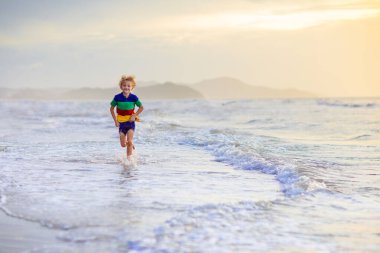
331	48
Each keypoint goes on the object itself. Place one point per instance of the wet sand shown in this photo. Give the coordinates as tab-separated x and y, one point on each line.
17	235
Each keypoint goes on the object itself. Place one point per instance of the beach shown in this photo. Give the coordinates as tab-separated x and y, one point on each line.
281	175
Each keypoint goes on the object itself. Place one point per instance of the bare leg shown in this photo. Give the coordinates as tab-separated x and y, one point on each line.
129	142
123	140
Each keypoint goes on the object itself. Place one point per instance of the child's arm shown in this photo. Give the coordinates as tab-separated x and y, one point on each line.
133	117
114	116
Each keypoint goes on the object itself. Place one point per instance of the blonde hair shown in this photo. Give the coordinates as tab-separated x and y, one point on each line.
128	78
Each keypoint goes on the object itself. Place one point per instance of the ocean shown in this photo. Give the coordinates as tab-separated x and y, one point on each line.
281	175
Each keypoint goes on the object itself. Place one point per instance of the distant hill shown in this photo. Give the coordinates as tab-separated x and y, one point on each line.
29	93
231	88
158	91
90	93
217	88
168	90
154	92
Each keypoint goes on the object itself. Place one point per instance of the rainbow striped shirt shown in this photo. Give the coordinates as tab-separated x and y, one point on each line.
125	106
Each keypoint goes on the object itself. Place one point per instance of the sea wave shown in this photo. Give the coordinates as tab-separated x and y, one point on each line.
230	149
345	103
362	137
215	227
223	223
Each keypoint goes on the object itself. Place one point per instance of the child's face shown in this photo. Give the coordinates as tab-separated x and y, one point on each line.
126	86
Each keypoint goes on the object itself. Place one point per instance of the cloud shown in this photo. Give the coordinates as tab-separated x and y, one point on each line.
266	19
176	24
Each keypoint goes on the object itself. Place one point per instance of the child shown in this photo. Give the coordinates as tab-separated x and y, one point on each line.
126	116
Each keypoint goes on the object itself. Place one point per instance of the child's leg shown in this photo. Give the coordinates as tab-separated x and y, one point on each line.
123	140
130	142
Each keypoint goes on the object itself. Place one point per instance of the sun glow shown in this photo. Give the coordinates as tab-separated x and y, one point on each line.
270	21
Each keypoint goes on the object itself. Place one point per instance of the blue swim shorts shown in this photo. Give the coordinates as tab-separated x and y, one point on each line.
125	126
